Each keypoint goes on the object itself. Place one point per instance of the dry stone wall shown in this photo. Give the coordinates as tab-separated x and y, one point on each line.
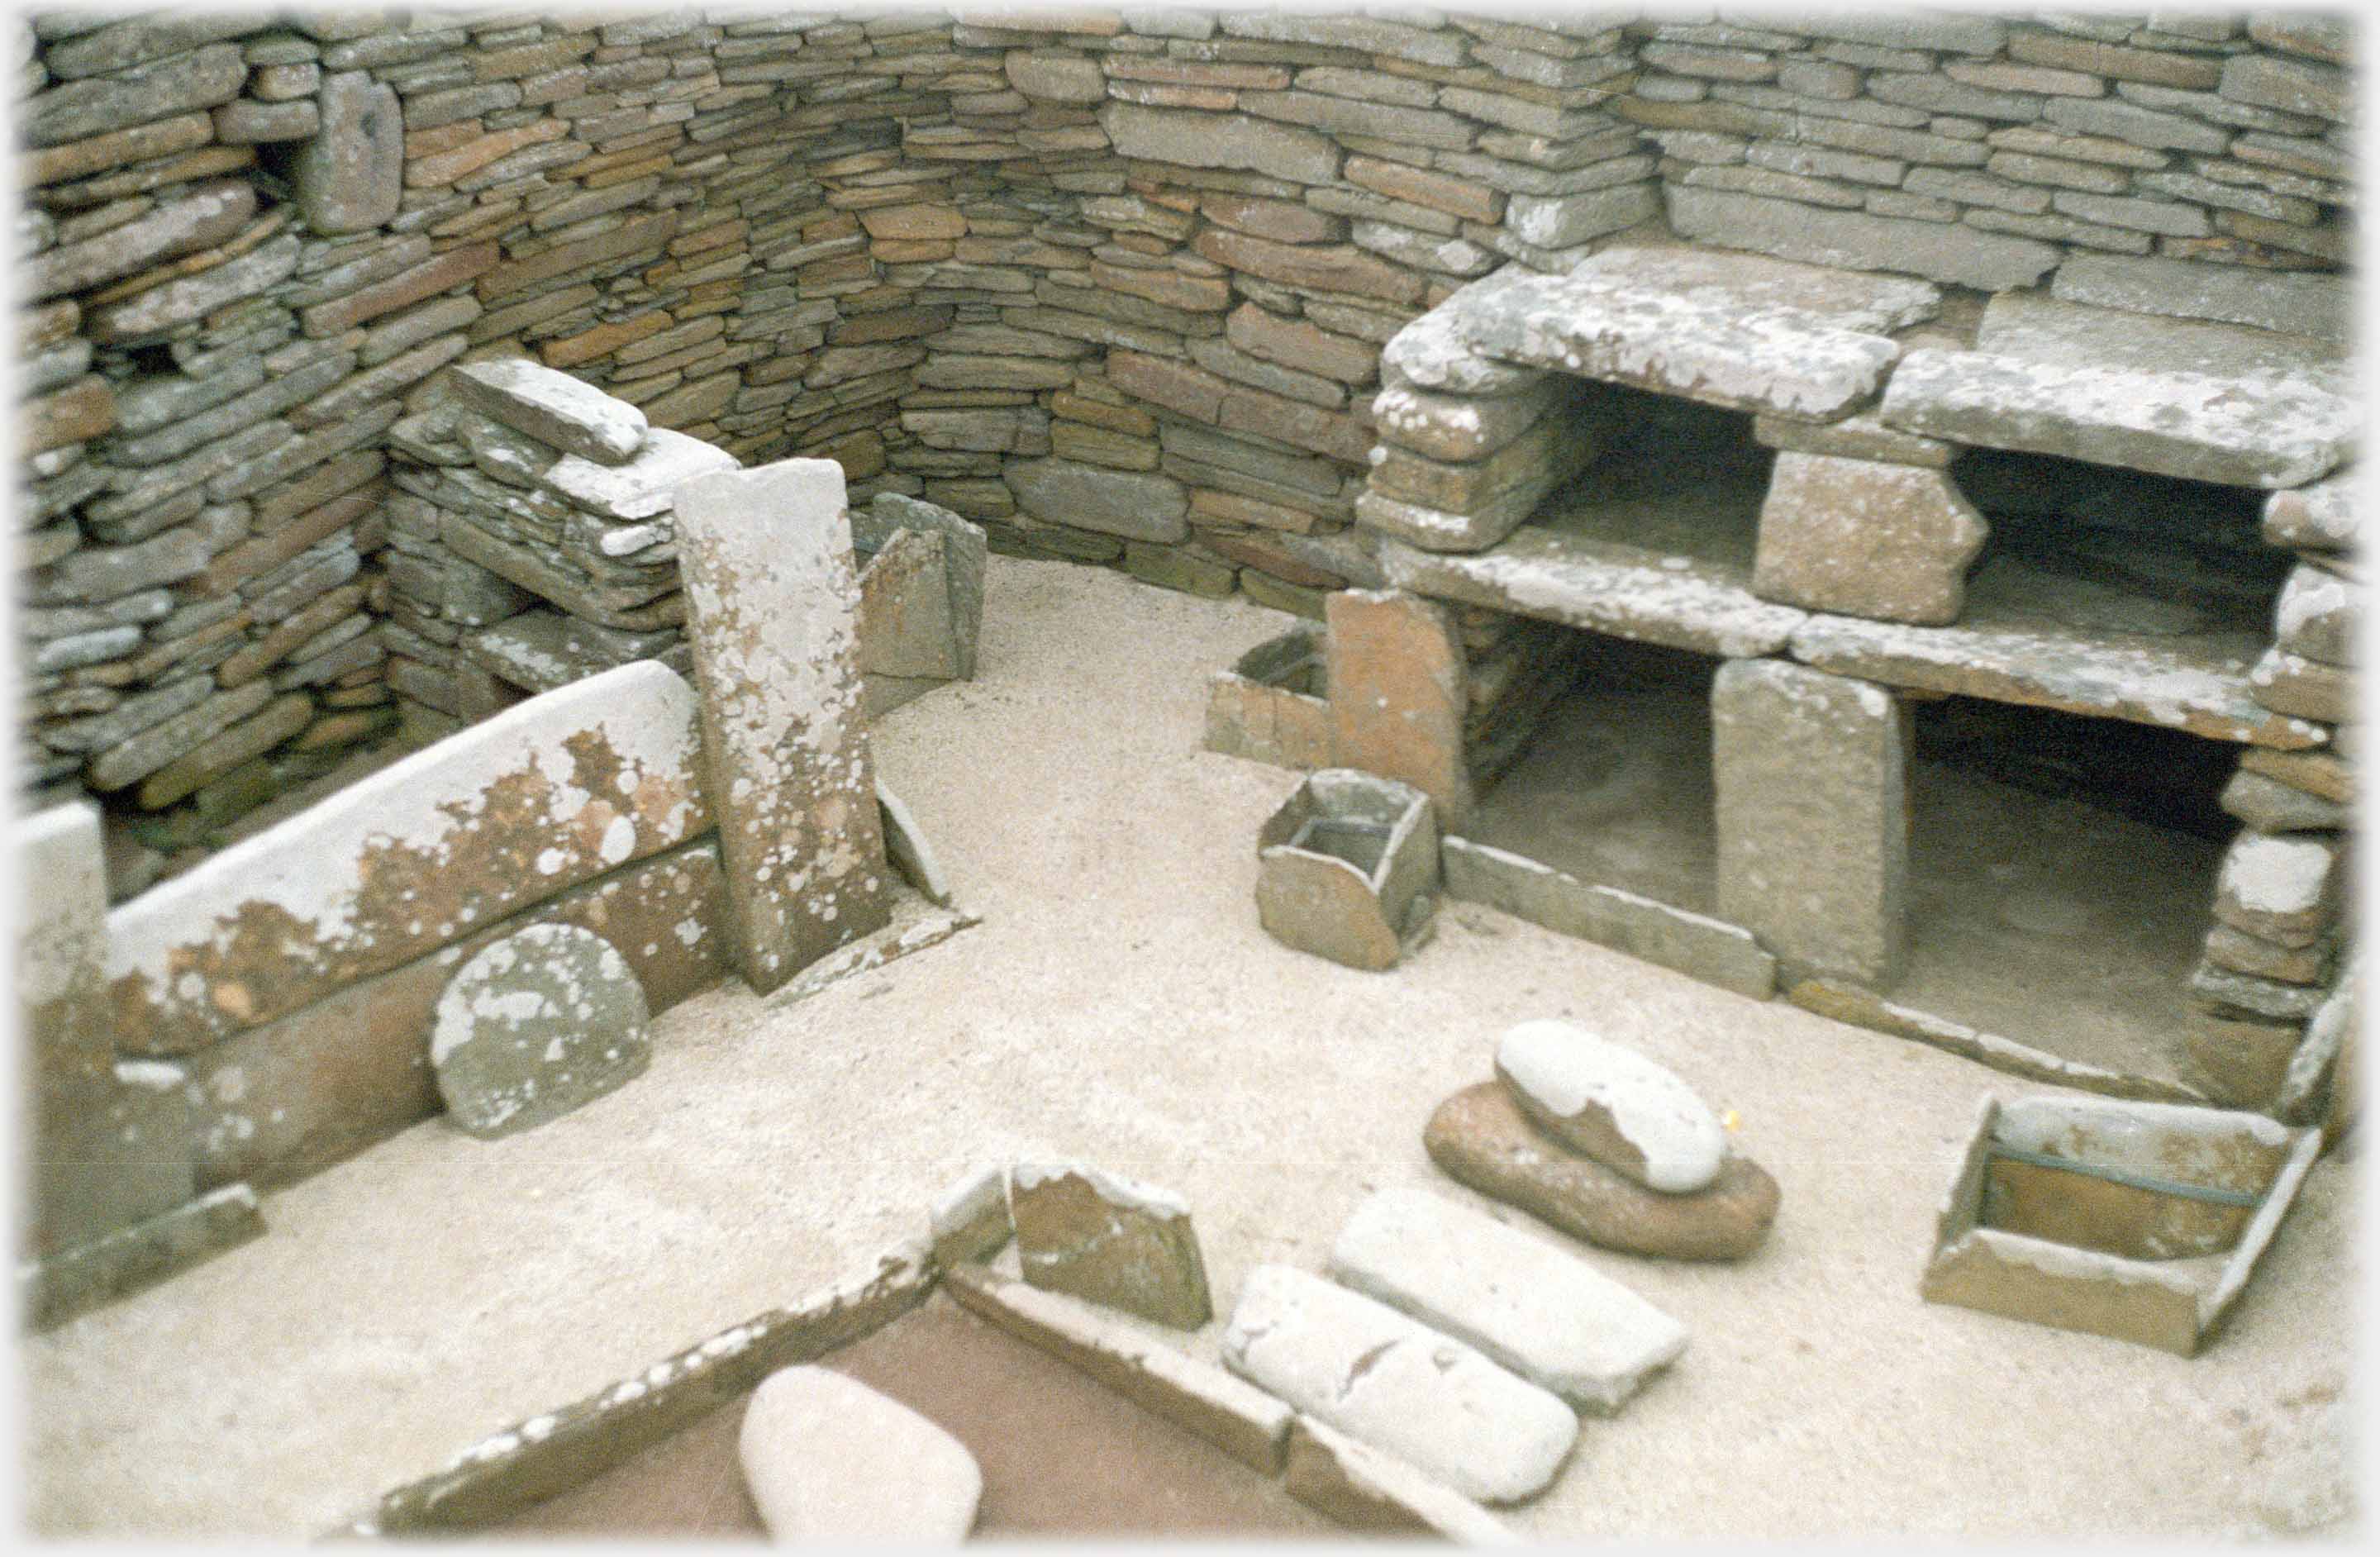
1112	284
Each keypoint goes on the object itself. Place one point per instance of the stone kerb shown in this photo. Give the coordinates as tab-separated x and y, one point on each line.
774	591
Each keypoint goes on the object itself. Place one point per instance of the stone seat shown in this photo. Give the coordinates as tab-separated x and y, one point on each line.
1739	331
2175	397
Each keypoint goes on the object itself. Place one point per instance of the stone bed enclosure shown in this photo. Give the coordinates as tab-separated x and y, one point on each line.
1343	312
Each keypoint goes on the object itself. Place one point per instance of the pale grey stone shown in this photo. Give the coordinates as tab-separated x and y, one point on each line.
1858	240
827	1459
1539	1311
571	415
1613	1104
2324	516
2320	616
1811	777
534	1026
1891	543
136	94
350	176
1135	506
1389	1381
2296	302
1193	138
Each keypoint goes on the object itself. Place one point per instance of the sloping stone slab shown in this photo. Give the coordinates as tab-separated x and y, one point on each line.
1371	1372
768	570
1694	945
1235	1416
534	1026
1369	1490
546	403
1479	1137
1732	330
829	1459
52	1291
504	814
1628	591
2206	402
2011	653
1540	1310
904	609
1109	1240
643	488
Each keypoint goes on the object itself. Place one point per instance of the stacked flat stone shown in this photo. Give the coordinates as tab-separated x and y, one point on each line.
2275	956
2207	158
533	538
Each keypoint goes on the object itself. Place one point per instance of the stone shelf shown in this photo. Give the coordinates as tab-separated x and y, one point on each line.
2052	639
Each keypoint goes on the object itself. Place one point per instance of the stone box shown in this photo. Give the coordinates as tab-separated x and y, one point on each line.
1272	705
2137	1221
1349	867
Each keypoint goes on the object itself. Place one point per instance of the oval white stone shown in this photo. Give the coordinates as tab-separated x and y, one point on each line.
1569	1072
827	1458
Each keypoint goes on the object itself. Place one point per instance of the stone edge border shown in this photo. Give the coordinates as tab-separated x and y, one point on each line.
72	1282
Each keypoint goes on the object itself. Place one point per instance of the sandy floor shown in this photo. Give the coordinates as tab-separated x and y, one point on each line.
1120	1003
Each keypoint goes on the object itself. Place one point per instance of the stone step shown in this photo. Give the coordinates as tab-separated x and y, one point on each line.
1397	1384
1538	1309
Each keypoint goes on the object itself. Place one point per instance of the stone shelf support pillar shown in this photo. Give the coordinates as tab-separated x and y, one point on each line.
1398	690
1811	772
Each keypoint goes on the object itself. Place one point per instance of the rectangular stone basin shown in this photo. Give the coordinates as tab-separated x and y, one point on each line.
1273	706
2137	1221
1347	868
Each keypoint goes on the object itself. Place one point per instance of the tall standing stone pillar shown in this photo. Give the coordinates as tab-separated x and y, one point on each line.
774	598
1400	686
1812	774
101	1154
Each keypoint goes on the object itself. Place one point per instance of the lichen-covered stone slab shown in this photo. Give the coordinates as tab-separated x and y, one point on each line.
2296	302
1480	1137
1434	352
1732	330
1678	601
1460	427
1951	252
2280	889
504	814
2319	616
1391	1382
545	403
103	1152
2322	515
1813	806
1109	1240
535	1024
1612	1103
829	1459
2177	398
768	567
643	487
1539	1311
1891	543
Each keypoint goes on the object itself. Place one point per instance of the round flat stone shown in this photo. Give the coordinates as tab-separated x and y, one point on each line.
827	1458
1613	1104
536	1024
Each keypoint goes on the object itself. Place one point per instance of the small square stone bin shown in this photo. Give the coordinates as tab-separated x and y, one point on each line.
2137	1221
1348	868
1271	705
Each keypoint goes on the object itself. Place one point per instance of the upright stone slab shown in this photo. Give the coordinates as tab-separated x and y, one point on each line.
775	633
1812	774
1891	543
350	176
101	1153
1109	1240
535	1024
1399	685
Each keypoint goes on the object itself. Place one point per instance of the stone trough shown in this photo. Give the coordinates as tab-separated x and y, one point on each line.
2142	1222
1349	866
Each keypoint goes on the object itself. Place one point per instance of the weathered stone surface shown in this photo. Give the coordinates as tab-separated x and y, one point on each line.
571	415
1493	495
350	176
1398	683
209	213
2269	806
1373	1373
210	758
969	1221
1189	138
1372	1490
964	549
2284	890
2323	515
1955	253
905	621
827	1459
1858	436
134	96
2295	303
151	749
1457	428
769	569
1811	778
102	1154
398	864
2209	402
2320	616
1891	543
2294	86
81	411
1480	1137
2304	689
1613	1104
1434	352
1243	1421
1538	1309
1345	866
162	309
534	1026
1130	503
1107	1240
